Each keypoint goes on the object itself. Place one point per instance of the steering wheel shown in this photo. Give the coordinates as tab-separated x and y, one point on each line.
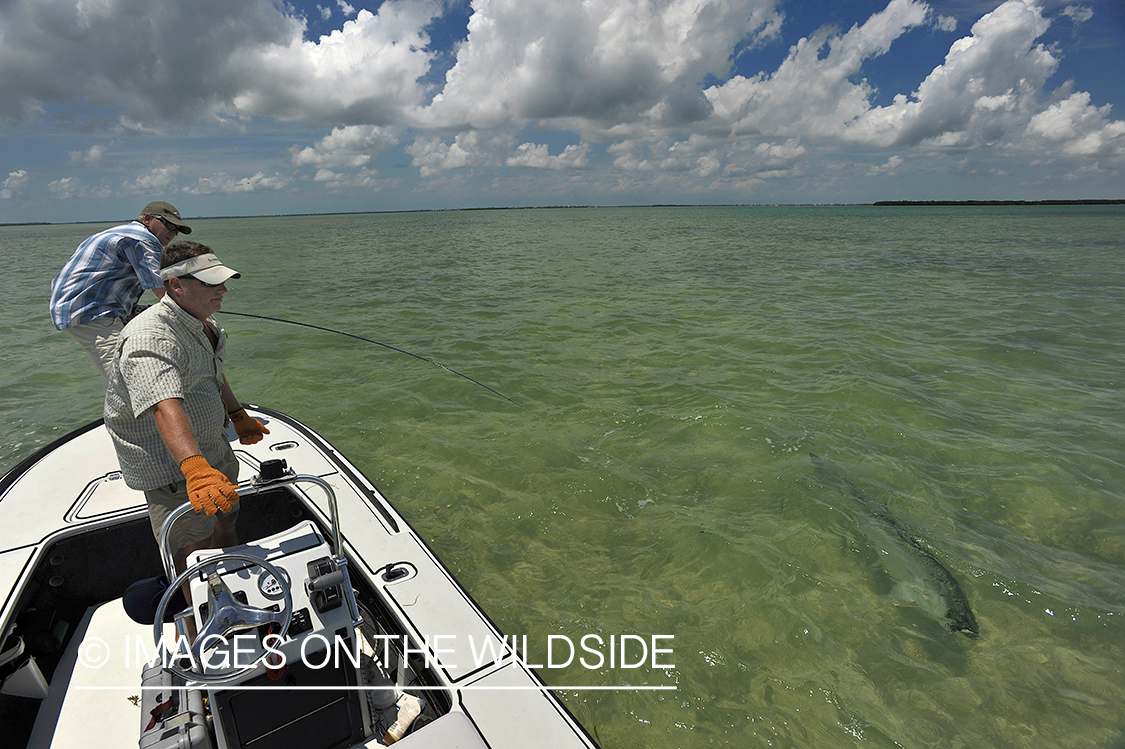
226	617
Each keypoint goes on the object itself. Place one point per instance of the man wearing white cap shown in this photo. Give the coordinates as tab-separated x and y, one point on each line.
97	291
168	403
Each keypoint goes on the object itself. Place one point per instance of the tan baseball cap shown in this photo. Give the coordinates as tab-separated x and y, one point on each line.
168	212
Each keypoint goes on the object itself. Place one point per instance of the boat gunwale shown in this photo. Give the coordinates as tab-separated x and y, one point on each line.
354	475
25	465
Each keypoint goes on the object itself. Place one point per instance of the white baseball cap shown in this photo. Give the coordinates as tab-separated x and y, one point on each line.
206	268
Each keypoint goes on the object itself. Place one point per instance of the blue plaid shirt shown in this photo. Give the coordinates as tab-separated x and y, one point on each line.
106	276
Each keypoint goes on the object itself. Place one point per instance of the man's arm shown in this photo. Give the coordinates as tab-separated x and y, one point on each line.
175	428
232	403
208	489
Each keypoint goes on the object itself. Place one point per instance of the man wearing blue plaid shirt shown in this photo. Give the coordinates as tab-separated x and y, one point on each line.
97	291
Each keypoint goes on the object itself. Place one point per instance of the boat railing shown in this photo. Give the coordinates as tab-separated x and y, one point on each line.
274	474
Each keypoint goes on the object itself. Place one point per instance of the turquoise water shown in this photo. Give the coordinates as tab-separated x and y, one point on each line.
673	369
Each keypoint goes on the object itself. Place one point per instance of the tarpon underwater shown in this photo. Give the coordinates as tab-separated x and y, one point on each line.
922	579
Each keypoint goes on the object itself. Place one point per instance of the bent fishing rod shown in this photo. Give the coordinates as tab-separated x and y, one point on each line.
377	343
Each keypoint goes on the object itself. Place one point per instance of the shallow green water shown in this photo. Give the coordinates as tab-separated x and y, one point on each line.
674	369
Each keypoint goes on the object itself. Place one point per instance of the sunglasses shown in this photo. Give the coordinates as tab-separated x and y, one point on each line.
168	225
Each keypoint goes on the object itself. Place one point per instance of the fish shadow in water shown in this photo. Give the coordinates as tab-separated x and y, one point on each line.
917	576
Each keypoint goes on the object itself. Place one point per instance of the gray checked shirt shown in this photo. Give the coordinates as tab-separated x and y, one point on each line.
164	353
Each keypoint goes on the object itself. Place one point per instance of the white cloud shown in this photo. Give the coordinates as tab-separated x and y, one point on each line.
594	65
244	57
14	185
984	93
64	188
224	184
92	157
1077	128
890	166
627	157
780	153
703	157
347	9
538	156
366	179
351	147
698	156
156	181
433	155
126	125
325	13
812	94
367	72
1078	13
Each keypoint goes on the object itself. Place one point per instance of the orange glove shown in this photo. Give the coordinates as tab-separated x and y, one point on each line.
248	429
208	489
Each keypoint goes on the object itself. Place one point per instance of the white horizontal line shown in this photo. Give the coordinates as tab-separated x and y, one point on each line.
335	688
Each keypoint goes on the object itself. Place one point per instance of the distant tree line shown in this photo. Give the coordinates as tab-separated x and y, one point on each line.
1000	202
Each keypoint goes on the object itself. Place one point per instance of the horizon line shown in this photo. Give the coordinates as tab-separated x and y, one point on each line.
877	204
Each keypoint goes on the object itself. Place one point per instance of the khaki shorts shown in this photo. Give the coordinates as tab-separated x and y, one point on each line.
194	526
99	338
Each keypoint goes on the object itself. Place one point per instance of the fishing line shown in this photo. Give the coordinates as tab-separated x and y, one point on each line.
377	343
648	480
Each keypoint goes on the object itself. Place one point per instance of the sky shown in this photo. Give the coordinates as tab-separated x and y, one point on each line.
263	107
